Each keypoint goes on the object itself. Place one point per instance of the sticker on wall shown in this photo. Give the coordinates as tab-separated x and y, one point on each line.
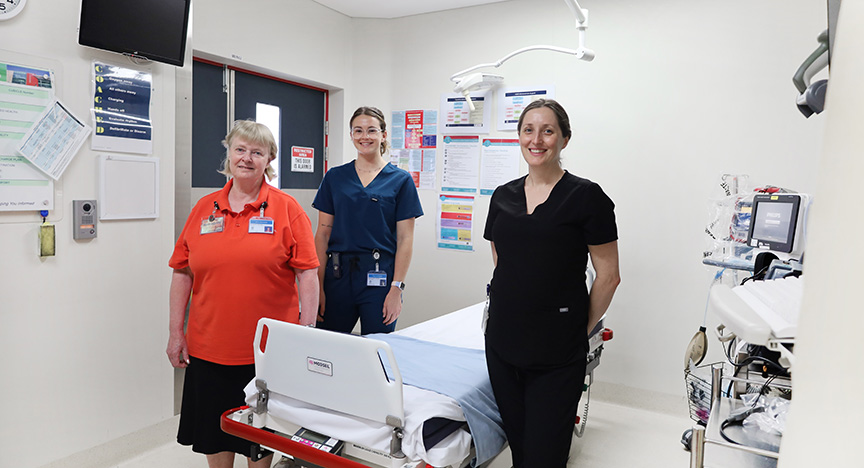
302	159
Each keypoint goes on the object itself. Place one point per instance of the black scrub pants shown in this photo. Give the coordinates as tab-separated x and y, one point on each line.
538	408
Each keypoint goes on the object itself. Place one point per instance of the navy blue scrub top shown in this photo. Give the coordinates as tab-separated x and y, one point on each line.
365	217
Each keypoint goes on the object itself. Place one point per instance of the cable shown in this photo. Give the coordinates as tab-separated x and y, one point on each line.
764	389
728	351
751	359
756	275
748	360
735	420
723	427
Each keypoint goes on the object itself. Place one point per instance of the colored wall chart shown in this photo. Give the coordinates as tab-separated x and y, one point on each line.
511	102
456	222
458	118
25	92
413	140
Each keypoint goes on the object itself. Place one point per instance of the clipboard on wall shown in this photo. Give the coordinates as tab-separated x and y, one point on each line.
128	187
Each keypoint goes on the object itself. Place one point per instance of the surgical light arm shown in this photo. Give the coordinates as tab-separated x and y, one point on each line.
812	95
813	64
466	83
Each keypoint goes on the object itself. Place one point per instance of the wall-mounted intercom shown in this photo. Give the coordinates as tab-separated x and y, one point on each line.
83	219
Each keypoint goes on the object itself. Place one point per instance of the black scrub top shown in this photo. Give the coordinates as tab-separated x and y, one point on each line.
538	310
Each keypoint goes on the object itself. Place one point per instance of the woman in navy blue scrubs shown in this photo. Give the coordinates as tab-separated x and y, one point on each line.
365	236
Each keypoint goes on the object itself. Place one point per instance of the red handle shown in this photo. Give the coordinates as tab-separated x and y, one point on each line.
283	444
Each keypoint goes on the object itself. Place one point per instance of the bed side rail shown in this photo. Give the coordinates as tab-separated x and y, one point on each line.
332	370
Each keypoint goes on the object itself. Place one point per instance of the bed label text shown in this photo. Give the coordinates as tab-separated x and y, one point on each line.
319	366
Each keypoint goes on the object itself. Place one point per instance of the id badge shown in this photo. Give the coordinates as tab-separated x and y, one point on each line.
260	225
485	316
376	278
212	225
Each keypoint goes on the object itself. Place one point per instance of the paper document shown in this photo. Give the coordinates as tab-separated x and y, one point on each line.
54	140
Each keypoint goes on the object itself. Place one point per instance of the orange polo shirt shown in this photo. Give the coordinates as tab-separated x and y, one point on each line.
240	277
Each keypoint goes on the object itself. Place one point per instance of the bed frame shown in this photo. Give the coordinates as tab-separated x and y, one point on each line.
316	367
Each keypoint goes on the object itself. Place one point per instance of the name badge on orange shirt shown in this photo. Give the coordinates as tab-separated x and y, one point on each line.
260	225
212	224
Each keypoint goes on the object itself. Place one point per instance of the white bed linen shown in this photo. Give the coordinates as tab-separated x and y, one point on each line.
461	328
420	405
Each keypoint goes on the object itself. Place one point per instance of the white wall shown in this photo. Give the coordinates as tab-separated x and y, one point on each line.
824	427
296	39
680	92
82	333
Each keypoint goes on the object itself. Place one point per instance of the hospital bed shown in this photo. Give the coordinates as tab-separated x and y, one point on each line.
336	400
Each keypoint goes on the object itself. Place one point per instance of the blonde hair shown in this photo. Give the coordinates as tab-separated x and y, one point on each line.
254	133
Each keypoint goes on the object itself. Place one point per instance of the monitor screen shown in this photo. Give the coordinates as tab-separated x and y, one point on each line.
773	222
155	29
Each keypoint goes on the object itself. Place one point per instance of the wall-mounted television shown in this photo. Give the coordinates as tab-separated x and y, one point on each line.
152	29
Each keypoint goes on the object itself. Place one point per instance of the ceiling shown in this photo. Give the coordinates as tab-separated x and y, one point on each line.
396	8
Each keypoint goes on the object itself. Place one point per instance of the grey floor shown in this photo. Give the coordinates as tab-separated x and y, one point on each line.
616	437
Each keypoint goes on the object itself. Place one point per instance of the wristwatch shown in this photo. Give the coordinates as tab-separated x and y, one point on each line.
398	284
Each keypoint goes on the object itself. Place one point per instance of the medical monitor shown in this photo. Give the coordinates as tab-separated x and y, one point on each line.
776	222
152	29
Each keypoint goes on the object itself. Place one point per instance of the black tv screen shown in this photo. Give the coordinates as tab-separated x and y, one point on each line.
153	29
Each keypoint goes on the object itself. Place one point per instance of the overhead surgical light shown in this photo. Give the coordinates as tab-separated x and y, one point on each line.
466	83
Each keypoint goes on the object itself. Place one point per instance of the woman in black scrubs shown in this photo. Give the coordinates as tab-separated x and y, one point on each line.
542	227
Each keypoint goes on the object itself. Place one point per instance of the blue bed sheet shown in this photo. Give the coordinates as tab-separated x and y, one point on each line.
459	373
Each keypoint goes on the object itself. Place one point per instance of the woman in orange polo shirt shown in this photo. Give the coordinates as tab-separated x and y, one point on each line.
242	254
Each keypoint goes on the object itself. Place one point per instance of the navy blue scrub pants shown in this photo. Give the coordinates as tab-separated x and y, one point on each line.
349	298
538	408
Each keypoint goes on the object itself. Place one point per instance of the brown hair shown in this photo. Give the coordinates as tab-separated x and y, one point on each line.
560	114
372	112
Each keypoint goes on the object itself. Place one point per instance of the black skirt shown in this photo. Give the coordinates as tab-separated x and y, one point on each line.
210	389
